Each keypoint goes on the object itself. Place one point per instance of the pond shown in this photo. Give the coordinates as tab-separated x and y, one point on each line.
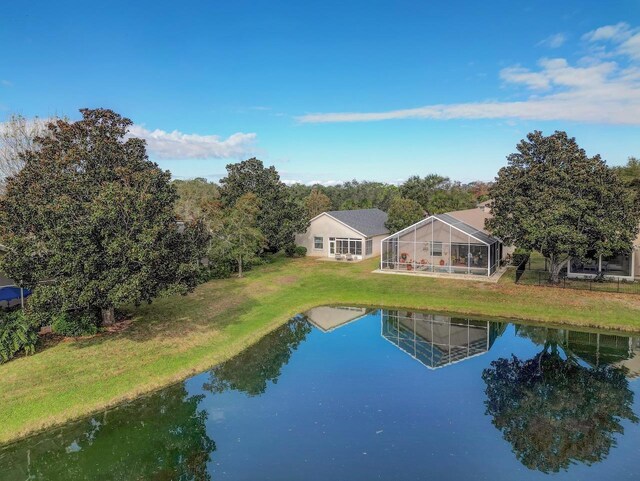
363	394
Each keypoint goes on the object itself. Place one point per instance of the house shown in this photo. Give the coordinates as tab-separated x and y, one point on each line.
625	267
350	234
452	243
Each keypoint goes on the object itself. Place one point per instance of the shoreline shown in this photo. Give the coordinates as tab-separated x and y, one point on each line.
182	336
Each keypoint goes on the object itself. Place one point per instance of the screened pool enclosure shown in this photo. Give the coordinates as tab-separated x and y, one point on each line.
441	243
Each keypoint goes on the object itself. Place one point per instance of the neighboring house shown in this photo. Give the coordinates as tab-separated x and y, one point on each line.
339	233
622	266
452	243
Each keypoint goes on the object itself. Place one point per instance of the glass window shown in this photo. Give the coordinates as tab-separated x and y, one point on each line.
355	247
318	243
349	246
436	250
617	265
369	247
589	265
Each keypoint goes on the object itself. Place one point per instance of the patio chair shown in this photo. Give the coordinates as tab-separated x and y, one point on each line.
339	257
349	257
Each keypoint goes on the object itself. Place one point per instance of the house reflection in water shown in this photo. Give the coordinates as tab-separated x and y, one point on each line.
327	318
593	348
437	341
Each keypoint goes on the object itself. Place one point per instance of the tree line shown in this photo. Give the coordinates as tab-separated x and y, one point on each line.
90	224
434	193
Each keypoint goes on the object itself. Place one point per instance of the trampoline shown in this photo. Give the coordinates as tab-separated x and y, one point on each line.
10	294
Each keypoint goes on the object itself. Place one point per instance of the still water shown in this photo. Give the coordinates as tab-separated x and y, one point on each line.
362	394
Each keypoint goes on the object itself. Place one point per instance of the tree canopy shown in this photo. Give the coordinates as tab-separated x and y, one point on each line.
437	194
403	213
89	221
630	175
280	217
236	235
317	203
198	199
553	198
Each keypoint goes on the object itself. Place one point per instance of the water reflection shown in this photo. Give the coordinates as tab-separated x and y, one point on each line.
559	398
594	348
252	370
329	318
161	437
436	340
564	405
567	403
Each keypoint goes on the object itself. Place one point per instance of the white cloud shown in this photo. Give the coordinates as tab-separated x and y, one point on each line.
594	90
626	39
6	83
178	145
326	183
631	47
553	41
534	80
615	33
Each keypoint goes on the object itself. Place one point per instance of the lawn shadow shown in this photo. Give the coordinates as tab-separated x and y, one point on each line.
212	306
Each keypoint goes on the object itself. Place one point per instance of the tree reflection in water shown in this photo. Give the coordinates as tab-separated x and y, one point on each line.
162	437
253	369
554	410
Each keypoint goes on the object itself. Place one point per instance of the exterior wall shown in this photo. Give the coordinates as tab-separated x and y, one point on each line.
636	262
325	227
377	243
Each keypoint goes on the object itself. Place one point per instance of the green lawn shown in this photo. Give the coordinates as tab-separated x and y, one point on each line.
178	336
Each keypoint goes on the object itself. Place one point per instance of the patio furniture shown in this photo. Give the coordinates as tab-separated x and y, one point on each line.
349	257
339	257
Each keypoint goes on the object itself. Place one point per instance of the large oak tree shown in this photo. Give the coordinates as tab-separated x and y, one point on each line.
89	221
553	198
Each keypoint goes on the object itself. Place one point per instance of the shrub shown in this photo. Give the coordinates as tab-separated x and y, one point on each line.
300	251
520	256
74	324
17	334
290	250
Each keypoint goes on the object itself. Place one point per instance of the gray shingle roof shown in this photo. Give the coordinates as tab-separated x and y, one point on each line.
369	222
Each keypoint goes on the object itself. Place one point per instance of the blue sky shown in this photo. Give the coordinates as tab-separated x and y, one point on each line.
332	91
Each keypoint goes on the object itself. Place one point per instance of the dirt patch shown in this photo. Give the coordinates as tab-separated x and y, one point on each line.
288	280
119	326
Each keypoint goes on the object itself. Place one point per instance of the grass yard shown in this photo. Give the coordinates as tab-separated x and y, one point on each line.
179	336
